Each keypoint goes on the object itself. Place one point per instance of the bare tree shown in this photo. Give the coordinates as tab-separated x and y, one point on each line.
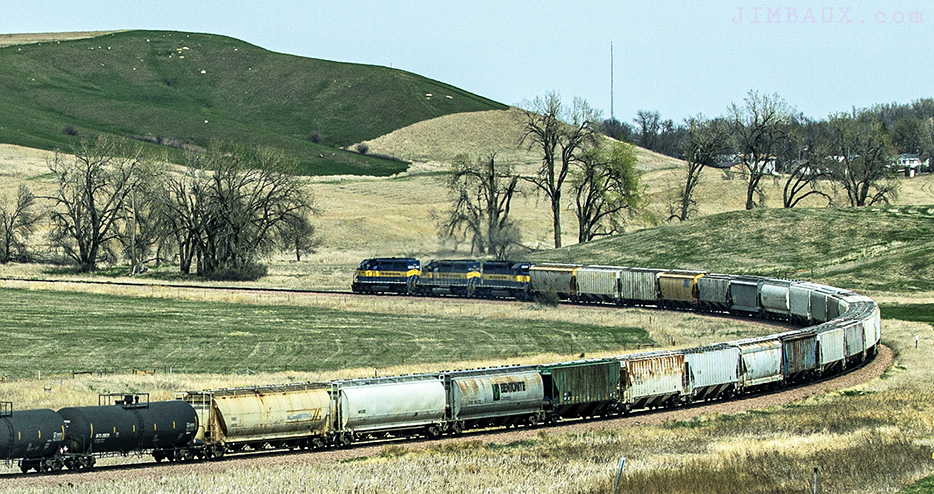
297	234
805	179
606	185
93	186
704	142
863	152
17	224
759	128
483	192
648	123
239	207
559	132
183	200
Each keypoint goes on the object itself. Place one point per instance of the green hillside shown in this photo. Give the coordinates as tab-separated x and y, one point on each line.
180	88
889	248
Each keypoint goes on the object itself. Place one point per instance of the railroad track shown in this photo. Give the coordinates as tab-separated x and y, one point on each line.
871	369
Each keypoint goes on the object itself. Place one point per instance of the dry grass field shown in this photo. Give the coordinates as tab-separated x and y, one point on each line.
26	39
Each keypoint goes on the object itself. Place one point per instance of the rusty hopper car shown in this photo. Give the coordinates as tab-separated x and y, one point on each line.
760	362
33	436
651	380
294	415
559	279
491	397
799	355
583	388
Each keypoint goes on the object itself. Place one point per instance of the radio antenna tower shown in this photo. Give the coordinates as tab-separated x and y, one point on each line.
612	117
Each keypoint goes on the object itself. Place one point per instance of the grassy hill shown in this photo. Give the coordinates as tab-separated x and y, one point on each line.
478	134
183	88
890	249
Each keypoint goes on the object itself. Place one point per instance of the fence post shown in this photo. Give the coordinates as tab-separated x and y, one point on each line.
619	473
816	484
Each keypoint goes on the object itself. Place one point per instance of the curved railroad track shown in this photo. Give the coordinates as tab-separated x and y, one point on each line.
143	470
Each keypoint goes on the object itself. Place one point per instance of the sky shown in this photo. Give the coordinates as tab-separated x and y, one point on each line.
680	58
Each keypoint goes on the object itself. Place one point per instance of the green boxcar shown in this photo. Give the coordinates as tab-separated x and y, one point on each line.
582	389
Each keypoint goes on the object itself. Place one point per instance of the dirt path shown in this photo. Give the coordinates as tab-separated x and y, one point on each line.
107	474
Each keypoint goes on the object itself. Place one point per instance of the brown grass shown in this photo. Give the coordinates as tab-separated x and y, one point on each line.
28	39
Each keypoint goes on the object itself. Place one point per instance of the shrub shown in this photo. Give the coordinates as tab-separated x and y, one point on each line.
70	130
549	299
251	272
315	137
363	148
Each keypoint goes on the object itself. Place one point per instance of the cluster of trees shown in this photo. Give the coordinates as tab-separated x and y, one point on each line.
227	209
602	179
910	127
847	154
765	137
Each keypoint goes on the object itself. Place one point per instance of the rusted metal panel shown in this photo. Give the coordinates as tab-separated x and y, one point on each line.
496	394
799	350
679	287
744	294
271	413
832	344
554	278
712	370
639	285
598	283
714	291
761	360
391	405
774	296
646	376
582	387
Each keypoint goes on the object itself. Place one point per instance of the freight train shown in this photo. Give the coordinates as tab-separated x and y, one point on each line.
843	331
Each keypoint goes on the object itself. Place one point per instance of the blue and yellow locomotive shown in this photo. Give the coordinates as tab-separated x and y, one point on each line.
387	275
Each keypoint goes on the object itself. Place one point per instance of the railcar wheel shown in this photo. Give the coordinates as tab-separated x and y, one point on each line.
432	431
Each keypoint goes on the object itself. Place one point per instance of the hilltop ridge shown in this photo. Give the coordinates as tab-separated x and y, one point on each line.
183	89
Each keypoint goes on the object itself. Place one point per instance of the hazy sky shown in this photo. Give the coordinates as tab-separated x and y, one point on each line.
678	57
